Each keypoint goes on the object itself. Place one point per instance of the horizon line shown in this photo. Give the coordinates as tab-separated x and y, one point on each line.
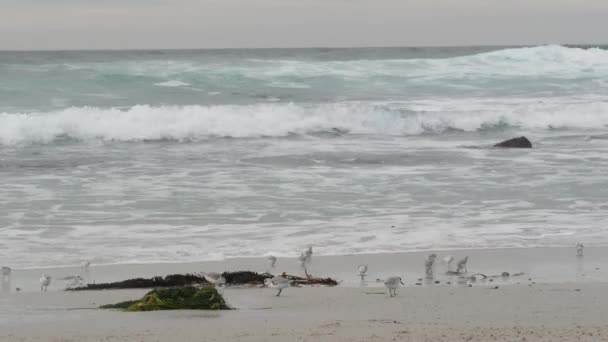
587	45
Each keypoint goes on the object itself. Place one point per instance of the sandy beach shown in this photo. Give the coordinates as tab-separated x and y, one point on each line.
558	298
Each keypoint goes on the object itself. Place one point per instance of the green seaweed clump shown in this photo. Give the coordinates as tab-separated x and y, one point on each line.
177	298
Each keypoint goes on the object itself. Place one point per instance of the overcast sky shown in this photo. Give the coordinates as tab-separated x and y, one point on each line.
136	24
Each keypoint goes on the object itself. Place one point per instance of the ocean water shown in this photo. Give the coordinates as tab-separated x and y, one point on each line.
147	156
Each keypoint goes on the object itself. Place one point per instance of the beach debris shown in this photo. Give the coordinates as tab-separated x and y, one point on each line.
362	271
437	282
519	142
505	274
476	277
392	283
428	265
278	282
579	249
45	281
462	265
231	278
18	289
176	298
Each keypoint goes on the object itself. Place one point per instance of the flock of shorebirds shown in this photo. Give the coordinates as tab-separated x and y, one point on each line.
281	282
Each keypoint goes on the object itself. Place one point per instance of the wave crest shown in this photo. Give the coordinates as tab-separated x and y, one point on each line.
191	123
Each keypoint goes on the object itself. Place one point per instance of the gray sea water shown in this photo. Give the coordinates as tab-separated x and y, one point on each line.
145	156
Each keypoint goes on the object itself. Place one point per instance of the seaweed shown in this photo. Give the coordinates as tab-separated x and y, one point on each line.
176	298
146	283
181	280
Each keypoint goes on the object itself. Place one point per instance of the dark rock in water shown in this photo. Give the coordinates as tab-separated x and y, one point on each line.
521	142
505	274
177	298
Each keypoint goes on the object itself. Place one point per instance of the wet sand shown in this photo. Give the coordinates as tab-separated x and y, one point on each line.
565	300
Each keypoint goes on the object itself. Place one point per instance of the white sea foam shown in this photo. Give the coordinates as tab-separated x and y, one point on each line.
172	84
180	123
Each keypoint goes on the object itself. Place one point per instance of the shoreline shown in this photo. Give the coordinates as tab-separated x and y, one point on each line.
559	298
544	264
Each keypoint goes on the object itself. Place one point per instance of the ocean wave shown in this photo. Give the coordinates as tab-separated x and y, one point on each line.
172	84
191	123
550	60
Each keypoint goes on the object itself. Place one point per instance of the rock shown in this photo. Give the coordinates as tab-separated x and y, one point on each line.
521	142
176	298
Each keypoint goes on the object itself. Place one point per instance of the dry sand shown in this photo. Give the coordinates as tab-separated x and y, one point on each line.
554	311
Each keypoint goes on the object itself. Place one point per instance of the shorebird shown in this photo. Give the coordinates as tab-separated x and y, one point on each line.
362	271
392	283
277	282
428	265
462	265
448	259
45	281
85	265
6	271
214	278
579	249
305	259
308	255
272	261
73	280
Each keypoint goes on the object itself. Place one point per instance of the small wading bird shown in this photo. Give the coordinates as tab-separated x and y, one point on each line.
392	283
272	261
462	265
45	281
305	259
428	265
579	249
277	282
362	271
215	278
448	259
85	265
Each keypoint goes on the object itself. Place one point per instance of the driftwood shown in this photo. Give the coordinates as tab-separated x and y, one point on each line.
180	280
310	280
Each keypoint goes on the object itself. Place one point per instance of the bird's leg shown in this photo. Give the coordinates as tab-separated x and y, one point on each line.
306	272
279	293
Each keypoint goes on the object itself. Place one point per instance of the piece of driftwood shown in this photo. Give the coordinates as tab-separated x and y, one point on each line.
310	280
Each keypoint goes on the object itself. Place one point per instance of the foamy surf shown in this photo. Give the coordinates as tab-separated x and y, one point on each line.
111	156
191	123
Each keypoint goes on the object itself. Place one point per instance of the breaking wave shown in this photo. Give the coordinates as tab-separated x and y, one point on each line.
191	123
